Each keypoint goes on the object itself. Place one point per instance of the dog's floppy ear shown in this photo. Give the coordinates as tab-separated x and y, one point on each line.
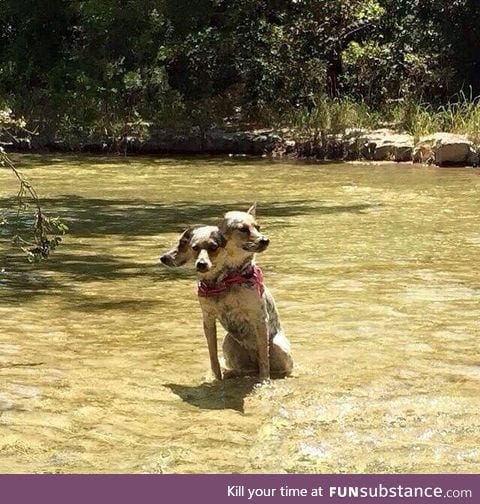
186	235
253	209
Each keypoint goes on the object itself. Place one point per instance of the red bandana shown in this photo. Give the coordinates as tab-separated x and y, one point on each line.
252	277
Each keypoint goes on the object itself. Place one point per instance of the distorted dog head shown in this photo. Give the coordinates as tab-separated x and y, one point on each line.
181	253
242	231
201	245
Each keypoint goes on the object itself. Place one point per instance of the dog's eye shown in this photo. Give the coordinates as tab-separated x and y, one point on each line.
245	229
195	248
212	247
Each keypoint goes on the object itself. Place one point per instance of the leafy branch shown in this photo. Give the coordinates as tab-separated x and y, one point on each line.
46	230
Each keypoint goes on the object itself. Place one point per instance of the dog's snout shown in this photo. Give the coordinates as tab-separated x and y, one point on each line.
166	259
264	241
202	265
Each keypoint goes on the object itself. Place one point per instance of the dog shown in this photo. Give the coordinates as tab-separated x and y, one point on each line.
231	290
182	253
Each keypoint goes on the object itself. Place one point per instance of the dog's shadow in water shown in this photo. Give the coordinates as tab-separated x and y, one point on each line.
217	395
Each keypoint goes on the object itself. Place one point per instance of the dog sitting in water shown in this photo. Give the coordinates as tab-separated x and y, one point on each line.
231	290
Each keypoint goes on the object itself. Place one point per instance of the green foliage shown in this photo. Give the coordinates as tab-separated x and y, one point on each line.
416	118
95	72
44	237
461	115
104	70
330	116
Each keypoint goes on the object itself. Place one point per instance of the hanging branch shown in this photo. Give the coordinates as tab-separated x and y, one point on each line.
45	229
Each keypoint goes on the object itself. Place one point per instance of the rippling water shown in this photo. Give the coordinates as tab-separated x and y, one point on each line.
103	364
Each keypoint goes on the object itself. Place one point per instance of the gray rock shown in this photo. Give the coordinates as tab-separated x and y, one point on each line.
446	149
386	145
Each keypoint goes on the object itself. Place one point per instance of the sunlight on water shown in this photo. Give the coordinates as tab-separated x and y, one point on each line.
103	364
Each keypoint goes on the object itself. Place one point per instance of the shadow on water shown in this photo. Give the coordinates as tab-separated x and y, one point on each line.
96	218
21	281
218	395
91	217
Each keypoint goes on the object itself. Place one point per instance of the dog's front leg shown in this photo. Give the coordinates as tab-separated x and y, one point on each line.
263	351
210	329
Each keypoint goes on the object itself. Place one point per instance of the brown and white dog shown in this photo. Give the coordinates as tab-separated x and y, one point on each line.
231	290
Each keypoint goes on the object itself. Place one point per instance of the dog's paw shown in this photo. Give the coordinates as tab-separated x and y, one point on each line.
263	380
229	374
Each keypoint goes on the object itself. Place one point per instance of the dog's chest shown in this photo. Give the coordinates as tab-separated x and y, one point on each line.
240	311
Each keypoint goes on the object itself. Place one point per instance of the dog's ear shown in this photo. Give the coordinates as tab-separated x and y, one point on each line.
253	209
186	235
221	239
223	227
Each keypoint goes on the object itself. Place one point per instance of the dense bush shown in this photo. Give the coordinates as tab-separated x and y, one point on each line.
106	69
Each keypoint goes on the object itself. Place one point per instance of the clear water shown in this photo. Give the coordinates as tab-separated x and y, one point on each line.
103	363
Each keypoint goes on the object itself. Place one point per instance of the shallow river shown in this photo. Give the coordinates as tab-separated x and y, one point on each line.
375	271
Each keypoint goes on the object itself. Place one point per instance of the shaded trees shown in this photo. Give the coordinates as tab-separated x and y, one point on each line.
105	68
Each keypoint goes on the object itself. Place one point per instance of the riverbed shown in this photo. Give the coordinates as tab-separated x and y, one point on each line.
374	269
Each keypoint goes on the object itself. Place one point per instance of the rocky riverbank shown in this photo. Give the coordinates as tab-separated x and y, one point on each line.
442	149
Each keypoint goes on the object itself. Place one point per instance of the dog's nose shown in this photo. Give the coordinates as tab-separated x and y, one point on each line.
165	259
201	265
264	241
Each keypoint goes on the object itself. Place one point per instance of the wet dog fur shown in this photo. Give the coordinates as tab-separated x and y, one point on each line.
255	343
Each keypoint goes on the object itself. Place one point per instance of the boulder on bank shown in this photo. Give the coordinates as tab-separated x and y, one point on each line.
445	149
378	145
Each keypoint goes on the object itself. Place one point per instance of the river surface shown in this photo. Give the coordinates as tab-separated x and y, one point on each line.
375	271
